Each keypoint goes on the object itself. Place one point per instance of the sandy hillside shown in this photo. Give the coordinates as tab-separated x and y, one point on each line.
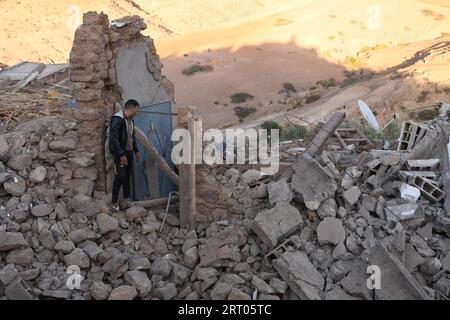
254	46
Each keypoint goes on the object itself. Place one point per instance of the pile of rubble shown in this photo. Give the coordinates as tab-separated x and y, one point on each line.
309	233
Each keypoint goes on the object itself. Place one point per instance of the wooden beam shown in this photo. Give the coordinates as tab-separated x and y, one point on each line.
187	118
154	202
155	156
325	132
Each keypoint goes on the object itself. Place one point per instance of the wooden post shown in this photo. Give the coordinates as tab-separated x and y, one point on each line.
325	132
188	118
155	156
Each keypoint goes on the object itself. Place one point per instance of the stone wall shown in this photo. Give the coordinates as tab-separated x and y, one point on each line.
94	79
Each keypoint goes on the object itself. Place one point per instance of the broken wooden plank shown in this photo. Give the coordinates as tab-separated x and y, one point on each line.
30	77
155	156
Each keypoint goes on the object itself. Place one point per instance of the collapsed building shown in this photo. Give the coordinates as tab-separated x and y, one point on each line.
339	205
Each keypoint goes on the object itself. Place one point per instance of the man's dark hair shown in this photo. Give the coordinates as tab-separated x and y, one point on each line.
131	104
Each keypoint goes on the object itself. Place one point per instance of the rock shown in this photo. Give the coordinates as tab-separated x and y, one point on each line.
58	294
139	263
30	274
250	176
431	266
63	145
330	231
204	273
82	161
135	212
150	227
38	175
191	258
179	274
8	274
91	248
20	161
260	191
42	210
220	291
115	263
4	149
84	204
351	196
278	285
446	262
355	283
341	212
352	245
167	292
193	296
262	286
21	257
412	258
64	246
82	186
279	192
100	291
80	235
15	186
231	172
161	267
221	249
47	240
339	251
327	208
277	223
106	223
409	192
123	293
300	274
338	271
11	240
139	280
312	182
338	294
78	258
233	279
236	294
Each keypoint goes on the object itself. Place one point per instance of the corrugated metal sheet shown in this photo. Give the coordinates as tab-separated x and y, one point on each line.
19	71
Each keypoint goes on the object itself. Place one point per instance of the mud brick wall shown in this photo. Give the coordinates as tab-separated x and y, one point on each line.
94	79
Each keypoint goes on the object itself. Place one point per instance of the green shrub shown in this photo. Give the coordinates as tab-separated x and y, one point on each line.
293	131
289	87
428	114
423	96
243	112
390	133
269	125
310	98
327	83
197	68
241	97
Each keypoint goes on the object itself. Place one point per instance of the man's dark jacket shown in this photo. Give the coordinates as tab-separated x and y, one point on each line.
118	135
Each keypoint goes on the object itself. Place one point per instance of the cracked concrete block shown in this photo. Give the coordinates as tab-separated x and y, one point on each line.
300	274
277	223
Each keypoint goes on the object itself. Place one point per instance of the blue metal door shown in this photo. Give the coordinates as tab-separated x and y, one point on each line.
156	122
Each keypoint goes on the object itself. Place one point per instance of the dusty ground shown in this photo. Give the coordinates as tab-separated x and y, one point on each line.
256	46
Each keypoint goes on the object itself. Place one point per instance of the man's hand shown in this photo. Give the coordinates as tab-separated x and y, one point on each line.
138	156
124	161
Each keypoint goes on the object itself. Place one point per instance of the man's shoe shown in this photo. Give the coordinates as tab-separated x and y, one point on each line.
115	207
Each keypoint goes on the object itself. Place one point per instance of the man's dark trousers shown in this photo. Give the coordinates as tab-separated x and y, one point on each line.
122	177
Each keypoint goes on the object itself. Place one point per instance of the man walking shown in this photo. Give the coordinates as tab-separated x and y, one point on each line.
122	144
